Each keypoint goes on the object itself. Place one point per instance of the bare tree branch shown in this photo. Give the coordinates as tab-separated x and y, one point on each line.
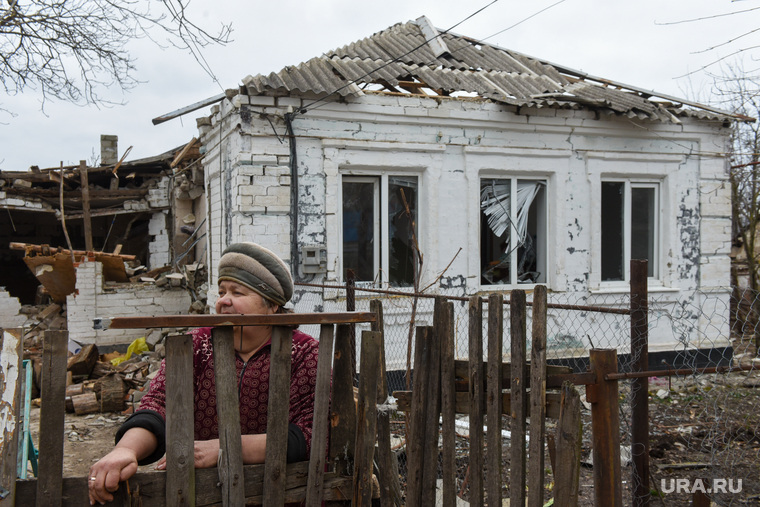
75	50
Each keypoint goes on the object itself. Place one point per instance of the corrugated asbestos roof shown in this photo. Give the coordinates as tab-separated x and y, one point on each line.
401	59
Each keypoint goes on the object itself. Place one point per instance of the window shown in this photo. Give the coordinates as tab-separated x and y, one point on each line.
512	231
379	228
629	228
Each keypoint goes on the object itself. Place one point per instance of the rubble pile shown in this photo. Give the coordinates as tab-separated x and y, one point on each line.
111	382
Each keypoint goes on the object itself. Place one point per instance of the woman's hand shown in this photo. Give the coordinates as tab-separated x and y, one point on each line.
206	454
105	475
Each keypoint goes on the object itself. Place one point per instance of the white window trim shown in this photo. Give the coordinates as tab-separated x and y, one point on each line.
629	183
382	260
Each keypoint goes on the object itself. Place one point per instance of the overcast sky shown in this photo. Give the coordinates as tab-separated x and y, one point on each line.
628	42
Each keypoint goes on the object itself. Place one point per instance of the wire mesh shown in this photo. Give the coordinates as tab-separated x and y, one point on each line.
704	428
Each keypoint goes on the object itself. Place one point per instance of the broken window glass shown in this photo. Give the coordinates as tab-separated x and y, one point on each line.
513	231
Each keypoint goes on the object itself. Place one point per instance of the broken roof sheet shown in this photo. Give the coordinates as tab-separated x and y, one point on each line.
404	59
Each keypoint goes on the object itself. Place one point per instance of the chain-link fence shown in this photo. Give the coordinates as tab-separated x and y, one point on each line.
704	427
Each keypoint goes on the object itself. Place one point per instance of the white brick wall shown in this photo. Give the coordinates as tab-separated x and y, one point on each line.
92	301
450	145
9	308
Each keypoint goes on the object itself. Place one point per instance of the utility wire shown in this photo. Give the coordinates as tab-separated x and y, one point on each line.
310	104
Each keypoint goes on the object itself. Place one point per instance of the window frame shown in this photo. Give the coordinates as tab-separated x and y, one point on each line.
628	185
542	230
381	223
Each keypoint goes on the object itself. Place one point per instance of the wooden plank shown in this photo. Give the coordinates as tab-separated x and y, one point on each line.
319	430
444	325
387	464
537	399
343	407
562	373
366	418
605	426
568	449
494	398
230	465
11	380
462	403
149	488
477	407
277	417
197	320
180	421
416	430
52	410
86	205
432	401
518	409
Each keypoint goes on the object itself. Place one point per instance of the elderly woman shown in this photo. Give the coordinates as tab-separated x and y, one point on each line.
253	281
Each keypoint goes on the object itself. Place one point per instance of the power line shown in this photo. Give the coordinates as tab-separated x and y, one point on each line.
425	41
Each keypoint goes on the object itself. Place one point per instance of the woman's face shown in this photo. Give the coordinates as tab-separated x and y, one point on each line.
235	298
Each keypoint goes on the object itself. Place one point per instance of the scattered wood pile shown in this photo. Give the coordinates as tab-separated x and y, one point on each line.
96	385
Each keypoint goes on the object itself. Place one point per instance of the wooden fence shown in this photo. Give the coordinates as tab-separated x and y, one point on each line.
347	478
526	388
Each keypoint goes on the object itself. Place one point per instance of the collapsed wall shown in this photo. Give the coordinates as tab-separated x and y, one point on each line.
95	299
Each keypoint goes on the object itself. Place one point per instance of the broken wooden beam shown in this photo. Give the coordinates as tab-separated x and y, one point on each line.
27	247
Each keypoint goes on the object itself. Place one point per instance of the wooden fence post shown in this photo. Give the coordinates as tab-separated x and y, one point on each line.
639	386
494	397
518	400
52	411
315	487
277	418
366	418
605	426
342	407
387	464
445	333
476	401
11	354
537	399
180	421
568	440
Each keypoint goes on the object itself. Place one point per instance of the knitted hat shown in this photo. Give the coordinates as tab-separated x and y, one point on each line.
259	269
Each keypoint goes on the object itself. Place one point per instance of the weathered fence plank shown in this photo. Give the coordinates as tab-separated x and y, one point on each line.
568	449
180	422
417	431
444	325
477	408
462	403
537	399
366	418
11	378
149	487
494	400
518	399
387	464
605	425
314	490
52	411
228	413
277	417
343	408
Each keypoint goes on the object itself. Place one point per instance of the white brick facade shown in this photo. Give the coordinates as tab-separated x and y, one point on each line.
450	144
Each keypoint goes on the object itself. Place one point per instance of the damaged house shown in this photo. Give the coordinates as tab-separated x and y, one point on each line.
93	240
539	173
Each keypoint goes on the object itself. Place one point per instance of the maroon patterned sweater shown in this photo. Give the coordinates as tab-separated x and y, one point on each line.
253	388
